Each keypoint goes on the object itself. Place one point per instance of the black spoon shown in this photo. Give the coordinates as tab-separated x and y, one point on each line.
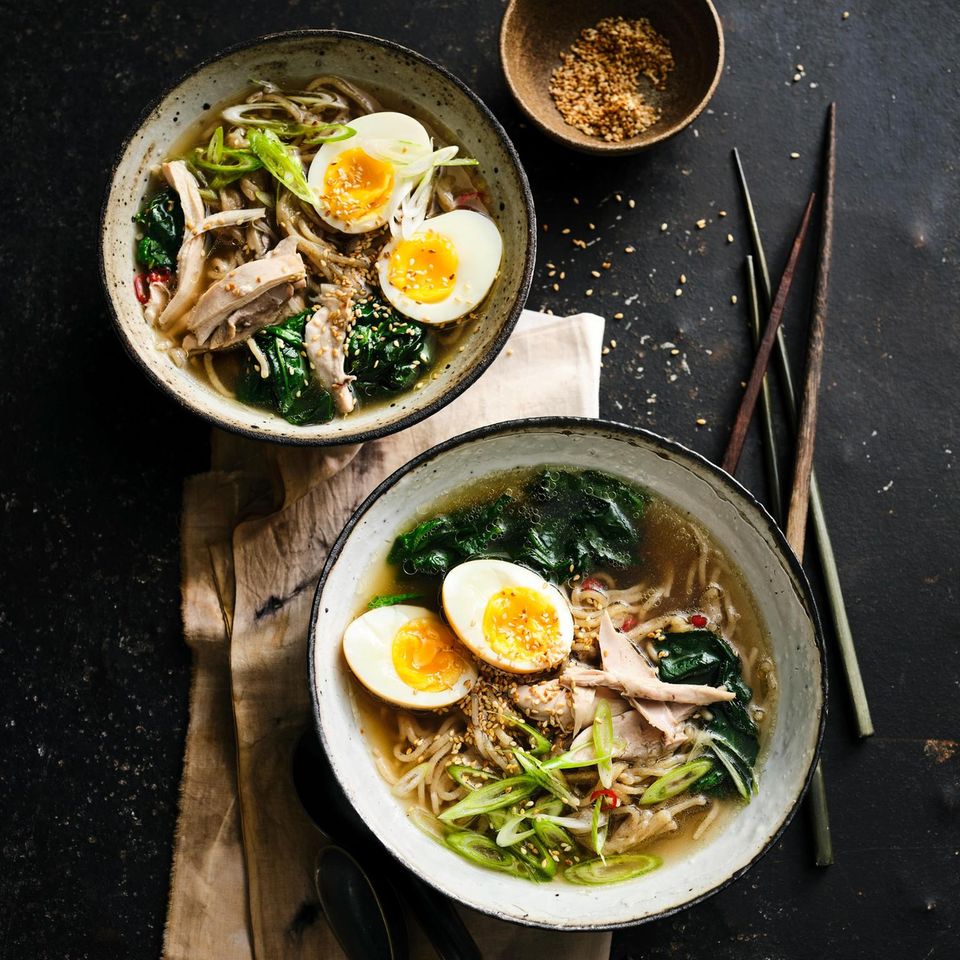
371	914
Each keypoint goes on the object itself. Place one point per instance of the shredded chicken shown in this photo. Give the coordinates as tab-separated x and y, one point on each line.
324	337
245	300
190	257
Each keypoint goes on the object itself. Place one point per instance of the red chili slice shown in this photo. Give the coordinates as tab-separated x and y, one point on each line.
592	583
698	620
140	288
158	275
610	799
465	198
629	623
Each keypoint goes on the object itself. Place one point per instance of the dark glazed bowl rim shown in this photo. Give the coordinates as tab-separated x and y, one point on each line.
603	148
676	451
469	377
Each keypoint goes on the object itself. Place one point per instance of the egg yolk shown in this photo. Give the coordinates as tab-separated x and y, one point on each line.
519	624
424	267
425	655
355	184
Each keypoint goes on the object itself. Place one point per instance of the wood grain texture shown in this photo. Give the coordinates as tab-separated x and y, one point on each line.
741	423
807	420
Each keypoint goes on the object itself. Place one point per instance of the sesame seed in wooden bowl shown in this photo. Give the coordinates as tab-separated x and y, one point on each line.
612	76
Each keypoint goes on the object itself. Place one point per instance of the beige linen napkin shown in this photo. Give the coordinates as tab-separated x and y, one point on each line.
255	533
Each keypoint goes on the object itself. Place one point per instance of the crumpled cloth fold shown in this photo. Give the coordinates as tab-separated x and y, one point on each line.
256	531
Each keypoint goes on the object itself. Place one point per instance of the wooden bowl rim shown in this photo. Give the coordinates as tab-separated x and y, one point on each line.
604	147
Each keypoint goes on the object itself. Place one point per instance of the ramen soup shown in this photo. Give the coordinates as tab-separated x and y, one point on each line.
310	250
562	675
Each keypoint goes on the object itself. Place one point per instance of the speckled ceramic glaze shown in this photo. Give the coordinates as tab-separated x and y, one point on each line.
413	81
751	540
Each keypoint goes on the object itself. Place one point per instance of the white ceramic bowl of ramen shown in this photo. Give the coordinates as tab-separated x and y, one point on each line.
694	490
407	82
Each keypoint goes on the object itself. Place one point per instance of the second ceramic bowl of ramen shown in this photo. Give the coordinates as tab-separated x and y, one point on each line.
319	69
694	635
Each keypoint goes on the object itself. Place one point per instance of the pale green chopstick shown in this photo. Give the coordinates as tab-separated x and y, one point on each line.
828	563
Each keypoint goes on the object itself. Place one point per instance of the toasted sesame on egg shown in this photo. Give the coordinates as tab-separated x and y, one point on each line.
507	615
408	656
444	269
357	182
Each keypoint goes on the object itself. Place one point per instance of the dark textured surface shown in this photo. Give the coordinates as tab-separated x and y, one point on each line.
94	675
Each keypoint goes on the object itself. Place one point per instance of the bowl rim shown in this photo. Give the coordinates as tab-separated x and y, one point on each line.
470	376
657	442
603	148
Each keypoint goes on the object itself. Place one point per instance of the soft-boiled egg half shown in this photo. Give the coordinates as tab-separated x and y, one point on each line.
507	615
408	656
444	269
357	182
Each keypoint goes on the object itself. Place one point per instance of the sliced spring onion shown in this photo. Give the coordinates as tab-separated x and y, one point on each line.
459	162
214	150
552	835
598	830
244	115
540	745
482	851
282	166
603	743
427	822
324	133
625	866
509	834
536	856
492	796
461	771
547	807
582	755
742	787
551	781
675	781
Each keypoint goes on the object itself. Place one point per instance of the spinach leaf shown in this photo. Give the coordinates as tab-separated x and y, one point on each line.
290	389
390	600
386	353
433	547
561	523
702	656
162	221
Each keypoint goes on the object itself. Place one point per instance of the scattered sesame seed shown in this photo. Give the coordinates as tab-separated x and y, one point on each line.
565	231
679	292
683	278
797	78
631	203
674	352
722	213
605	265
588	292
629	249
729	238
733	299
594	273
613	344
576	201
663	228
794	155
618	316
701	224
846	14
701	422
605	351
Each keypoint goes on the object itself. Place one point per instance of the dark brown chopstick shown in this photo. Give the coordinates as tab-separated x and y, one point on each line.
771	463
747	405
828	562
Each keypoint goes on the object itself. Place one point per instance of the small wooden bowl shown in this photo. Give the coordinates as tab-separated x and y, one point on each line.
535	32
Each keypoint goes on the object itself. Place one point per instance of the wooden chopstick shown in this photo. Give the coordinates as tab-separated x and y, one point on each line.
828	562
747	405
806	437
770	453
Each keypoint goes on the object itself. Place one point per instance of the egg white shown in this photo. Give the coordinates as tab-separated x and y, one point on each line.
368	649
386	127
468	588
479	248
